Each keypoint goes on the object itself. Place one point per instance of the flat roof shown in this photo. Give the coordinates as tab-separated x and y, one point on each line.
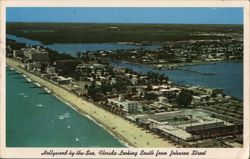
167	122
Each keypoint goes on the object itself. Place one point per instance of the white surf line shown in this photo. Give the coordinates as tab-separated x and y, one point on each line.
86	115
28	79
96	122
37	84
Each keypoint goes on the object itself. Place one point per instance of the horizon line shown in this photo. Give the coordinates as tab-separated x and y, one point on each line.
125	23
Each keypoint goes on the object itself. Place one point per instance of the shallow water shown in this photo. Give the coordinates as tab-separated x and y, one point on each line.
37	119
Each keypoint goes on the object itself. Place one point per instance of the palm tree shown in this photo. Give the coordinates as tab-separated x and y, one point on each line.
185	119
78	55
175	120
214	116
191	118
137	121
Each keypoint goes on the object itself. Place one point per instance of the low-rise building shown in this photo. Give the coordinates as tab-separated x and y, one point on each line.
64	81
182	125
127	106
51	70
33	66
61	80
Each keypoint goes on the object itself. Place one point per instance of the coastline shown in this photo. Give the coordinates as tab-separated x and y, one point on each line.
122	129
125	143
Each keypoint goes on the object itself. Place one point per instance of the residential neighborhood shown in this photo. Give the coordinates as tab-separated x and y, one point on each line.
187	115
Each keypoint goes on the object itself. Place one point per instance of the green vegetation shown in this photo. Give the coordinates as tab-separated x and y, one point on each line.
184	98
101	33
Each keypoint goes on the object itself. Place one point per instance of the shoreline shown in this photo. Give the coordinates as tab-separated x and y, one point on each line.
85	43
125	143
122	129
179	65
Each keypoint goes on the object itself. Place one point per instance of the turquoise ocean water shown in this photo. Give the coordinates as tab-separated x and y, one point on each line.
37	119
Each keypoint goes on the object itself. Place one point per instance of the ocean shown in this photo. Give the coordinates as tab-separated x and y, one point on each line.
37	119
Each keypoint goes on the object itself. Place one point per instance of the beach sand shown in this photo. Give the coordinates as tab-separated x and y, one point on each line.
128	132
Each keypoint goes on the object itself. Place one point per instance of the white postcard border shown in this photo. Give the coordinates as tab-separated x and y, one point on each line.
210	152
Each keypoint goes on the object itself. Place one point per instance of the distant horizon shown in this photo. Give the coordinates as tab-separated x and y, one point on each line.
123	23
123	15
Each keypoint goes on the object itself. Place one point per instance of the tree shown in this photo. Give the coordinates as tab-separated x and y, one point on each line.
86	87
175	120
43	67
78	55
150	96
92	90
191	119
214	116
105	87
149	87
184	98
161	77
137	120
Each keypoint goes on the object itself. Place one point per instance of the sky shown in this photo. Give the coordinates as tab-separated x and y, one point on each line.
127	15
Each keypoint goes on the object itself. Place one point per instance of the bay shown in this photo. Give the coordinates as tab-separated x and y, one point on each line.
74	48
225	75
35	119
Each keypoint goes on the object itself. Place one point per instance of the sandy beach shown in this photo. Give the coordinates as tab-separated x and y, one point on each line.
128	132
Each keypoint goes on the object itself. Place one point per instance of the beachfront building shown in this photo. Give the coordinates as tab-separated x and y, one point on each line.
127	106
186	125
33	66
62	80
